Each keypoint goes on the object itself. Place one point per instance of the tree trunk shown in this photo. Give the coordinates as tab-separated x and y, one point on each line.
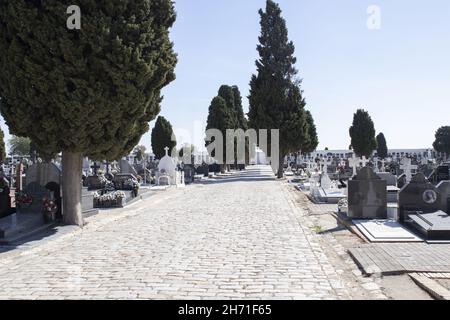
222	169
71	188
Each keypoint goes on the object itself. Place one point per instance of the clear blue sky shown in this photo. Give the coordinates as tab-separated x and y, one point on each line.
400	74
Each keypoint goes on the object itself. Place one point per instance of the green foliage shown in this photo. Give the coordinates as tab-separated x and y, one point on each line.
221	117
2	146
19	146
91	91
241	121
311	141
442	142
362	134
276	100
162	137
382	148
226	112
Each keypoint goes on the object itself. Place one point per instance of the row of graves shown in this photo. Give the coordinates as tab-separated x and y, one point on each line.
411	206
35	201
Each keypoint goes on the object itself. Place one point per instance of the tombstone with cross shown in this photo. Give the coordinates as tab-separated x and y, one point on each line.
407	168
95	168
364	161
354	162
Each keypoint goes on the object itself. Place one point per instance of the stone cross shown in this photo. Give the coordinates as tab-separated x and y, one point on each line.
167	151
407	168
324	166
107	164
354	162
95	167
383	165
364	161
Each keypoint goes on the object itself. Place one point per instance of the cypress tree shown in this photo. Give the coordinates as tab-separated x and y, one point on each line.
382	148
162	137
241	121
312	140
362	134
275	99
220	117
90	92
442	142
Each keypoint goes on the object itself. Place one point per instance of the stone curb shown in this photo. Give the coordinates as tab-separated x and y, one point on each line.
436	290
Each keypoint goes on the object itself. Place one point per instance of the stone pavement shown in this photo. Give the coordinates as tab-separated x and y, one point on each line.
402	258
232	237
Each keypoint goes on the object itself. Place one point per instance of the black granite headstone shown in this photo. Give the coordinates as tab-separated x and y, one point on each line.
367	196
419	195
444	189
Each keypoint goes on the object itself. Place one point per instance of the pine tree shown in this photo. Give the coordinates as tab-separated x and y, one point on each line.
2	147
276	100
382	148
90	92
162	137
362	134
442	142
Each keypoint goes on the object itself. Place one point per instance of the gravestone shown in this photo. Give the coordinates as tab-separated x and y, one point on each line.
354	162
424	208
125	181
401	180
203	170
43	173
189	173
325	181
127	168
37	193
392	189
390	179
96	182
419	195
444	189
367	196
5	198
443	173
214	168
408	167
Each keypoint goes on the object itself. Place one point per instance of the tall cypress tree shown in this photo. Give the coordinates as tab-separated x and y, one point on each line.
312	140
276	100
362	134
382	148
89	92
162	137
241	121
222	118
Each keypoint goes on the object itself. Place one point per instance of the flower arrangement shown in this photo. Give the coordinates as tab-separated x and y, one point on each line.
109	200
49	209
23	199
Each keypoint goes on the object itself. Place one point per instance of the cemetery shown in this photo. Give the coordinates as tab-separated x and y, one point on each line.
104	194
